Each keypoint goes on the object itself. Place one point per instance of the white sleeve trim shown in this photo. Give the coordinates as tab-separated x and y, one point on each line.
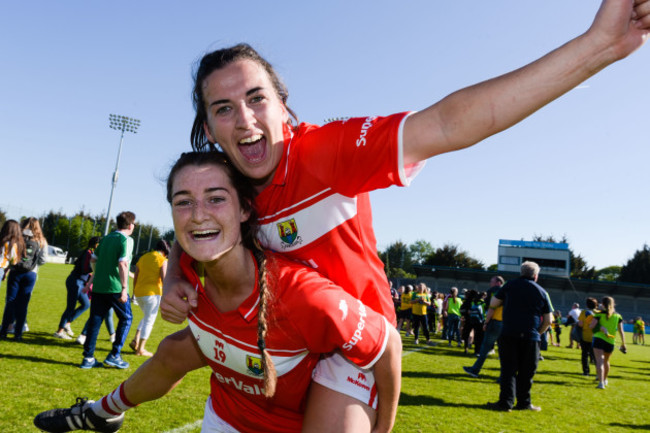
406	174
383	347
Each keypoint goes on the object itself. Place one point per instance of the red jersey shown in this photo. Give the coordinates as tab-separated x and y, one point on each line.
308	315
317	209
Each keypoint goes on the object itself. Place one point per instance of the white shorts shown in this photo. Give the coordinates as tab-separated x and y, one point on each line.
336	372
212	423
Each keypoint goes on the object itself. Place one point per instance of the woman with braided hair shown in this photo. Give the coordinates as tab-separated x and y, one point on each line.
261	322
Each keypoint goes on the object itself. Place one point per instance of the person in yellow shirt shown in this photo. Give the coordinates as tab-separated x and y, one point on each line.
405	309
639	331
585	318
147	290
420	300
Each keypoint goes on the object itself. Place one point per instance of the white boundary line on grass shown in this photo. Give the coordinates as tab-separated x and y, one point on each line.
187	427
408	352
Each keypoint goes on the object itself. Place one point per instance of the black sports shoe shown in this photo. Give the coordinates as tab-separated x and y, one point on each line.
77	417
498	407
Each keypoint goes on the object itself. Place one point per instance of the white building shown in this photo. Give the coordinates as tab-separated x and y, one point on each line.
552	258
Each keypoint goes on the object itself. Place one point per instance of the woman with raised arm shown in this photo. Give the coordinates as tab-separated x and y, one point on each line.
313	181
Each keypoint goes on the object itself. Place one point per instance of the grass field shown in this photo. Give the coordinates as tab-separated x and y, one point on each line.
437	396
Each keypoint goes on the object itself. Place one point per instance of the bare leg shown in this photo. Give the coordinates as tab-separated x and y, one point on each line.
176	356
606	365
600	360
142	351
331	412
135	342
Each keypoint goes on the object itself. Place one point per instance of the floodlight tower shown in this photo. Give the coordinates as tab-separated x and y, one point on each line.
122	124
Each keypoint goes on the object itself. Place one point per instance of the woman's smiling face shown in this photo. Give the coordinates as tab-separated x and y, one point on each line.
246	118
206	212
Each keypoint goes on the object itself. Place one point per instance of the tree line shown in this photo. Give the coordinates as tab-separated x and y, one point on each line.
71	233
399	261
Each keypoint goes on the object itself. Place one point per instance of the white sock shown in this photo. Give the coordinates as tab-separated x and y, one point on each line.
113	404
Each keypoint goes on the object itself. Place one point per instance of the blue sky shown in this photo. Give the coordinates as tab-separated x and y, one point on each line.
578	167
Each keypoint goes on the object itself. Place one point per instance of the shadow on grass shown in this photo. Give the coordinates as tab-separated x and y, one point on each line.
43	339
631	426
447	376
427	400
641	370
39	360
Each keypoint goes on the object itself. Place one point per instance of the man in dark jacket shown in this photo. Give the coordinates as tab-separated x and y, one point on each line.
526	315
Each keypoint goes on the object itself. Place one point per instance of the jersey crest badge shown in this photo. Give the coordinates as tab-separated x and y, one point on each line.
288	231
254	365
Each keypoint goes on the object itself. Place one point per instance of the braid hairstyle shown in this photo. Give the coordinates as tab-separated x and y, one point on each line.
270	375
249	230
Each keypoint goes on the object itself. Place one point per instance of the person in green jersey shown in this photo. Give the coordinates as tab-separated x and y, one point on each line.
605	324
111	289
453	316
639	331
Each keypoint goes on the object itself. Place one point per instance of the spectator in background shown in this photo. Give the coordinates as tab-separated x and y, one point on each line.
74	285
420	300
572	321
473	318
453	316
394	293
557	326
584	320
491	328
111	290
147	289
605	324
526	315
440	299
108	321
12	246
432	312
22	279
405	310
639	331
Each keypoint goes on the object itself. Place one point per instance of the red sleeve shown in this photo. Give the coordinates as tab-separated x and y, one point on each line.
329	318
357	155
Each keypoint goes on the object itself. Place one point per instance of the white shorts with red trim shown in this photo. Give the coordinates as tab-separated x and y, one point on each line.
337	373
212	423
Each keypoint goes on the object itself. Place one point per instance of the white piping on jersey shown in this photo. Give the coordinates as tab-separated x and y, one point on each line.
249	312
406	174
228	337
311	222
220	333
233	357
261	219
286	165
383	347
